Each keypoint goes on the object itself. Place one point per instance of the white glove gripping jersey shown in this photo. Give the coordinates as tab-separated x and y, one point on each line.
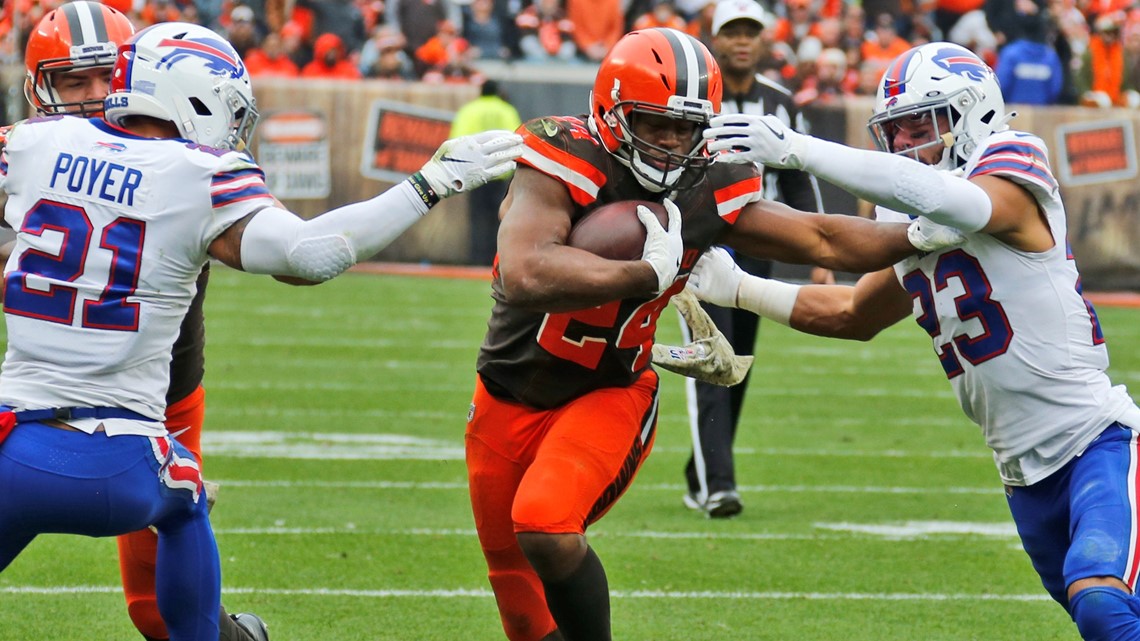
112	231
1019	343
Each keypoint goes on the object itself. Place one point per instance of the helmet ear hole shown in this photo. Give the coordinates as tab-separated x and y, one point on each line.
200	107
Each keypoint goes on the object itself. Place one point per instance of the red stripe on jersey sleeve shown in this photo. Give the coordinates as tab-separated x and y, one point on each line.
580	177
731	199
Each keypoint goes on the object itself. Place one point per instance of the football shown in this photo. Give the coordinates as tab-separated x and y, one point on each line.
614	231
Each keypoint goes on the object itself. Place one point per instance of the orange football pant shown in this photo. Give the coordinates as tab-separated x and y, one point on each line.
554	471
138	550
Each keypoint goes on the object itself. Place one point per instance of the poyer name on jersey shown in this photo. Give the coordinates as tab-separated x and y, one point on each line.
96	178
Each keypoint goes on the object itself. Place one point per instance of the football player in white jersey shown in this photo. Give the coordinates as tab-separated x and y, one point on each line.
115	218
68	58
1019	343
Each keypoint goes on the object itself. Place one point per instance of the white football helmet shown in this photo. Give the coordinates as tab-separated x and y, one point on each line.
189	75
940	78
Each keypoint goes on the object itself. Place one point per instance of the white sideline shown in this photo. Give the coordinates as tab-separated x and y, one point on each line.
617	594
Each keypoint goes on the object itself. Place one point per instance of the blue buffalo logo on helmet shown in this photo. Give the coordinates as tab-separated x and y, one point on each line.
218	54
958	62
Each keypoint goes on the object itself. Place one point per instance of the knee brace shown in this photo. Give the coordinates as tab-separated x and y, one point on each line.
1106	614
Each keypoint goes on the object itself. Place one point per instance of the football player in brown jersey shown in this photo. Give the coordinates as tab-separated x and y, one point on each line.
565	404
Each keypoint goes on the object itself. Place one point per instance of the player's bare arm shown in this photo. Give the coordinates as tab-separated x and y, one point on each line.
849	243
537	268
1016	219
875	303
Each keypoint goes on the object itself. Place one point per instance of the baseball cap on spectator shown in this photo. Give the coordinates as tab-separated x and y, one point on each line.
241	13
729	10
388	37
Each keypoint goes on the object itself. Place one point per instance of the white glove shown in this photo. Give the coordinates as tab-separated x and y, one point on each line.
716	278
663	248
709	357
464	163
756	139
928	236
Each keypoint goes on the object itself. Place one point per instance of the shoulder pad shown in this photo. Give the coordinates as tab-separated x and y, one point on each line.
563	148
1017	156
734	186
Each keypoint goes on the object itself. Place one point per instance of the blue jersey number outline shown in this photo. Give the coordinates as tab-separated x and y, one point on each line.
974	303
123	237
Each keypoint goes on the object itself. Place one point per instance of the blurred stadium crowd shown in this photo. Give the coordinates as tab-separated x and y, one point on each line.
1045	51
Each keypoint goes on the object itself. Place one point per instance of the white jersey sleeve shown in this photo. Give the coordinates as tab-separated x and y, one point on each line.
112	231
1016	156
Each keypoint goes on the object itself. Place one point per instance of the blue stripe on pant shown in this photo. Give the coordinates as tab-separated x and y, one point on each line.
60	481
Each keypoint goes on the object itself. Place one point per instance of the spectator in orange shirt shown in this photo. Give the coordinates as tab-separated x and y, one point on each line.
887	44
445	57
329	60
1100	80
662	14
598	24
545	33
270	59
799	24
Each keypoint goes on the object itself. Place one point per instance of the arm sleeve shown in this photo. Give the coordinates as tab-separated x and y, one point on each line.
902	184
278	242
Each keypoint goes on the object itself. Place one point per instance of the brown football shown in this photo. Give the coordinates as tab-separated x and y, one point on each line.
614	231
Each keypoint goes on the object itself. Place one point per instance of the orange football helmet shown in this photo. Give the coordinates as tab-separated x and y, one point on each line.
662	72
77	35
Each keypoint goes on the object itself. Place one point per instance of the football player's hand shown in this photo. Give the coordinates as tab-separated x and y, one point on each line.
464	163
928	236
716	278
757	139
663	248
709	357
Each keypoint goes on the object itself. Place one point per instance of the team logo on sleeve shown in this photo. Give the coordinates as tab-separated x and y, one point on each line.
953	60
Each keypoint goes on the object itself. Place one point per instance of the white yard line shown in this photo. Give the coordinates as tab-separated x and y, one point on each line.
665	487
482	593
364	446
904	531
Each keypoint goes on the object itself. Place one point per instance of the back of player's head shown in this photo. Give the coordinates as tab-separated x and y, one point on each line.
76	36
188	75
661	72
940	79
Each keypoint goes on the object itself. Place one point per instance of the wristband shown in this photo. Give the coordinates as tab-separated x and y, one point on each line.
772	299
423	189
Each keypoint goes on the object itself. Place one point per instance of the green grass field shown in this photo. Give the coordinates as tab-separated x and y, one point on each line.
335	423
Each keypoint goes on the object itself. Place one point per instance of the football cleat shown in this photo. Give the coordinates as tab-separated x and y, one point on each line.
252	624
720	505
723	505
692	502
